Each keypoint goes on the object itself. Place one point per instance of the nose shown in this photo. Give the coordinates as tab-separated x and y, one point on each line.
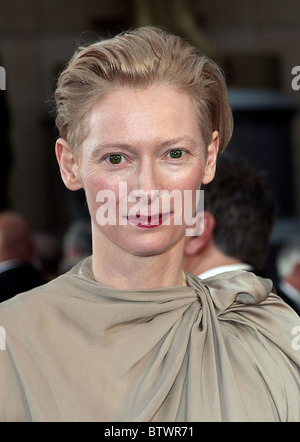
146	188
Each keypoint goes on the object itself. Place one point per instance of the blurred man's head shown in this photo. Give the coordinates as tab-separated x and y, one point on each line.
288	262
239	215
16	240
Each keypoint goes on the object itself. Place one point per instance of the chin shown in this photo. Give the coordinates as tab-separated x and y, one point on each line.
153	246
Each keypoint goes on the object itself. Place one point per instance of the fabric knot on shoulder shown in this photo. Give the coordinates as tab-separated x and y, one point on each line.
236	287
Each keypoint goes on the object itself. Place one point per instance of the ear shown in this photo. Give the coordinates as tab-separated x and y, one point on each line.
194	244
211	159
68	165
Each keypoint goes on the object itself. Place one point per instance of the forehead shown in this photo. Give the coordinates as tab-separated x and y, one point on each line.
143	114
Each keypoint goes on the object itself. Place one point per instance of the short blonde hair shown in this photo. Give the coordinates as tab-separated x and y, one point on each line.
137	59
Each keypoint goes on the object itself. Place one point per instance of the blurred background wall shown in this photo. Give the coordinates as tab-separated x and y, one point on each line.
257	43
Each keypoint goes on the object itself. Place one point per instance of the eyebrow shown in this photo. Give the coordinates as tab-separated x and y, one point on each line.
178	140
122	146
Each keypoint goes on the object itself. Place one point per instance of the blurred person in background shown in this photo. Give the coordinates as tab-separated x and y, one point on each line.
239	214
17	254
48	254
77	244
288	269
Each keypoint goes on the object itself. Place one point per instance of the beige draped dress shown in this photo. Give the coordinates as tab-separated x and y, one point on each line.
219	349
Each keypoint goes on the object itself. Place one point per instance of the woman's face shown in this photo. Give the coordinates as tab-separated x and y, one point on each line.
142	145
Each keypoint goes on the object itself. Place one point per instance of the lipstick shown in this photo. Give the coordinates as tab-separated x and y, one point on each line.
149	222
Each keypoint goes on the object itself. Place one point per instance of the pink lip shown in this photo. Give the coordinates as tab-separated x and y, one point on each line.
148	222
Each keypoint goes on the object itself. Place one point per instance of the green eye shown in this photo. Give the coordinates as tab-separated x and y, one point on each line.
115	159
176	153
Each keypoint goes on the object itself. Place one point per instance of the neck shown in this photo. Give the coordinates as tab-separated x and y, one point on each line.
116	268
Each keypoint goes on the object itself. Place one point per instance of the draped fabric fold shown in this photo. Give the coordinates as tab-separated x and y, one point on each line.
218	349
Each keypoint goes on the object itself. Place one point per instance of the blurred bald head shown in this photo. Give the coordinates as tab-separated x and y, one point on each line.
15	237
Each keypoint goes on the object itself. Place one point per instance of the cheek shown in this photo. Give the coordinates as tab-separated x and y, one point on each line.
188	184
188	180
189	177
98	189
94	181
